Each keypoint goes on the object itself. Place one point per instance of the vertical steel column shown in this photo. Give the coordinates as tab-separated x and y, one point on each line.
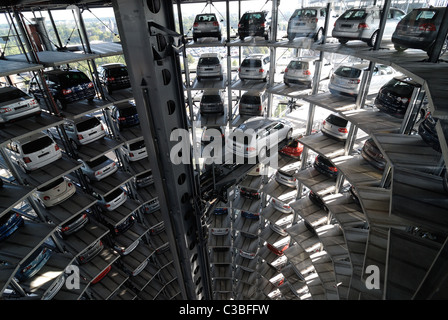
273	51
229	66
147	32
441	38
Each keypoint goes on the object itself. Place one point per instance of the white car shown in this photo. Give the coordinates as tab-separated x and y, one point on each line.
134	151
55	192
16	104
112	200
346	79
336	127
255	67
254	136
301	71
33	152
281	205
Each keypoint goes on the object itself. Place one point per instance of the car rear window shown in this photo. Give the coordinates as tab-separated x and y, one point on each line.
117	72
73	78
36	145
137	145
251	63
257	16
354	14
88	124
205	18
127	112
298	65
348	72
304	13
113	195
208	61
51	185
98	161
12	94
250	99
337	121
400	88
211	98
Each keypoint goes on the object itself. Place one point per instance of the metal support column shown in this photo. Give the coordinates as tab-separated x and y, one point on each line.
150	47
273	38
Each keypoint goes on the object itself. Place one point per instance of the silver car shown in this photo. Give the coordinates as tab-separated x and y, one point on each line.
98	169
301	70
363	24
16	104
255	67
209	66
336	127
253	103
206	25
307	22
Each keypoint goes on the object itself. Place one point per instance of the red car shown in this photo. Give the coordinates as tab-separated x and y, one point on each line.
278	250
293	149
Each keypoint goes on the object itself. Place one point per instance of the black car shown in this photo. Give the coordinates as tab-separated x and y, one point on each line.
427	130
124	114
373	155
393	97
317	200
114	76
254	24
326	167
66	86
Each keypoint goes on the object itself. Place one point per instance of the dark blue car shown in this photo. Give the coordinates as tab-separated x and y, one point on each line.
9	223
34	263
124	114
250	215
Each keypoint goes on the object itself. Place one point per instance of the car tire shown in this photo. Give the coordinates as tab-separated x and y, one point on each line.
319	35
263	154
342	41
291	36
266	78
242	38
289	135
371	42
399	48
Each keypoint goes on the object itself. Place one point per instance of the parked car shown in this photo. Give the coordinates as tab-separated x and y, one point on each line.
206	25
81	131
373	155
363	24
285	175
281	205
209	66
253	103
307	22
103	273
16	104
220	210
66	86
98	169
74	224
428	133
33	152
279	228
210	133
317	200
55	192
419	29
34	263
346	78
114	76
336	127
151	206
279	247
393	97
124	114
144	179
122	227
301	71
212	102
255	67
254	24
256	131
9	223
112	200
250	215
293	149
219	231
326	167
134	151
249	193
90	252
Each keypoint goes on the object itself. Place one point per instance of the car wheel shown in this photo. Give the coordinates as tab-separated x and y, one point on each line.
342	41
373	39
219	38
399	48
266	78
291	36
289	134
195	38
319	35
242	38
263	154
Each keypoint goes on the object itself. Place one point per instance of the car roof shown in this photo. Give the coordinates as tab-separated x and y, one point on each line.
124	104
304	59
258	122
407	79
113	65
81	119
256	55
32	137
209	54
61	71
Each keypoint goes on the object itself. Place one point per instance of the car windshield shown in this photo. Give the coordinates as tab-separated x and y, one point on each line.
251	63
298	65
400	88
129	111
36	145
88	124
348	72
208	61
137	145
209	98
205	18
118	72
97	162
337	121
73	78
250	99
304	13
113	195
12	95
354	14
